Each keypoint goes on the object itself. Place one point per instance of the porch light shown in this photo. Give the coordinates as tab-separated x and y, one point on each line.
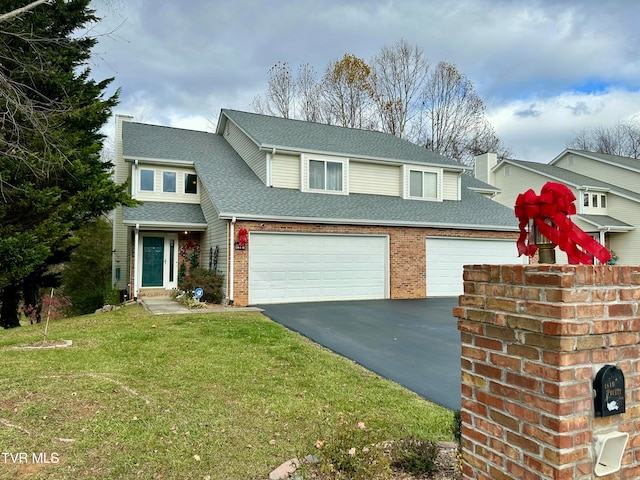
546	248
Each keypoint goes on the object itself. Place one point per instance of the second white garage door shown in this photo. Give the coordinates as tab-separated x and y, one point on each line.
447	256
317	267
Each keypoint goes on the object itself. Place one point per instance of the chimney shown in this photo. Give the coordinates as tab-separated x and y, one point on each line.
484	166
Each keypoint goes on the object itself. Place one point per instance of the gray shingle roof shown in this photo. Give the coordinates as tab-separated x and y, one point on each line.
141	140
602	221
165	213
236	191
267	131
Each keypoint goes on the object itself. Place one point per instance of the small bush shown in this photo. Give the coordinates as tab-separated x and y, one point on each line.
414	455
351	452
208	280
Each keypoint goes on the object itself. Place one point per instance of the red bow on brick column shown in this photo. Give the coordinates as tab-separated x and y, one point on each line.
555	202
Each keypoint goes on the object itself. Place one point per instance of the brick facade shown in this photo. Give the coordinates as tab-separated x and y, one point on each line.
533	338
407	252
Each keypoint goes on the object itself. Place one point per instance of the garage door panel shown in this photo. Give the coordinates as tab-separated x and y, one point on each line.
446	258
315	267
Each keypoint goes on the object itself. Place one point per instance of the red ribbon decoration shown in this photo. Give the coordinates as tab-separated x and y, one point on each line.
243	238
554	203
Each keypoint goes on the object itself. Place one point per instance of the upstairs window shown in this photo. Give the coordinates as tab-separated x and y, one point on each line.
423	184
325	175
594	200
169	182
190	183
147	180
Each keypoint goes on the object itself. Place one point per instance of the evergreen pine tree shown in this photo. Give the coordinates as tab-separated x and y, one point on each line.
52	179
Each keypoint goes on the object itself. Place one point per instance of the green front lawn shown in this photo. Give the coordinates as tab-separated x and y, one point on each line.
217	395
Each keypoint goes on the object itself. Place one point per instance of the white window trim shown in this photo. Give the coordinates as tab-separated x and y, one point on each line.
407	169
325	158
589	208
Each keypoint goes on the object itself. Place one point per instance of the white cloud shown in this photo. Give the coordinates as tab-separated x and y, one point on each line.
541	136
545	68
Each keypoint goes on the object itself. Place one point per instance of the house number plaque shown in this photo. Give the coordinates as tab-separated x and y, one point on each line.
610	392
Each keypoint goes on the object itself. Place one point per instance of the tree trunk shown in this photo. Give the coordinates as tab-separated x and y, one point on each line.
9	308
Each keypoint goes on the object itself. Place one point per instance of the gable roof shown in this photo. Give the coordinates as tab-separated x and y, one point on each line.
269	132
622	162
237	192
576	180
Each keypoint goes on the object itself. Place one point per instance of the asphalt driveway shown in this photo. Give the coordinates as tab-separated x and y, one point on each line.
415	343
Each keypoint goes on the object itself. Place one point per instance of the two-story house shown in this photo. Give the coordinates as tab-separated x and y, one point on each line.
606	187
292	211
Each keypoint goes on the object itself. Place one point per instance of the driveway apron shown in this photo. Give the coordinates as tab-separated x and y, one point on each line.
415	343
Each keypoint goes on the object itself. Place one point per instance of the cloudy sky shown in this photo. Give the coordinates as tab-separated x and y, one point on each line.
545	69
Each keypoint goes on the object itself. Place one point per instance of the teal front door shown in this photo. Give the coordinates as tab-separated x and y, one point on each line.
152	261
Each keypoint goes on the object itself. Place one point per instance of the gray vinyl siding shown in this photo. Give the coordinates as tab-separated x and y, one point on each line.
248	150
285	171
215	236
376	179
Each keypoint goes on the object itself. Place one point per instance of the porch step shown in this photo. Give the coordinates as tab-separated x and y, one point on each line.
154	292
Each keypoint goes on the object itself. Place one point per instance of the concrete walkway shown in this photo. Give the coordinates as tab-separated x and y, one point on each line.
167	305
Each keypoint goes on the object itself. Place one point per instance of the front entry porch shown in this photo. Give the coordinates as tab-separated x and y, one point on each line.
158	259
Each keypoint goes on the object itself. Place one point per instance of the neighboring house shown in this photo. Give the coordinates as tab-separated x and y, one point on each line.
330	213
607	190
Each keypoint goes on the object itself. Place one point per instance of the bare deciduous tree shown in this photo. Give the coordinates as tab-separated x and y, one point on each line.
622	139
399	73
452	113
281	91
399	93
309	94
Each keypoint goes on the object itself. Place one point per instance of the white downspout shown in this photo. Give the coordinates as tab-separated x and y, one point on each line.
134	179
270	167
113	247
136	259
232	252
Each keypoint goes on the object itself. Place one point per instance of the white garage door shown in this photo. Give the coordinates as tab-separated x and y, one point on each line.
447	256
308	267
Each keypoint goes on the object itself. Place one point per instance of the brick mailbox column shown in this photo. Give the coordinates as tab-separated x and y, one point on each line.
533	339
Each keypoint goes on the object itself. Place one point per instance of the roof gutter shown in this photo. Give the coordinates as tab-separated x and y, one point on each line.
385	223
164	161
